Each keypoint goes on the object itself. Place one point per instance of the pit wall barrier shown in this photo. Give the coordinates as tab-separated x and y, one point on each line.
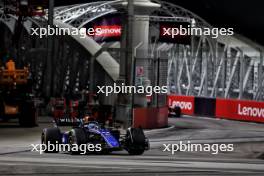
252	111
242	110
150	118
204	106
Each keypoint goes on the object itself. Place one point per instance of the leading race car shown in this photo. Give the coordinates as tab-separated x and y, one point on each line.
104	140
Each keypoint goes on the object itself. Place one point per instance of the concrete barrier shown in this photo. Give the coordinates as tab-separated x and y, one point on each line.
204	106
186	103
149	118
240	110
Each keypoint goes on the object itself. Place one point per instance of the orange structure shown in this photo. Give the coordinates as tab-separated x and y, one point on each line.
10	65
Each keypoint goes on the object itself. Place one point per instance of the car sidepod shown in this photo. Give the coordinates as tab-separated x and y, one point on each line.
110	140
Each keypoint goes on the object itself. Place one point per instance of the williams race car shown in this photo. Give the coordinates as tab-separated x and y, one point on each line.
92	133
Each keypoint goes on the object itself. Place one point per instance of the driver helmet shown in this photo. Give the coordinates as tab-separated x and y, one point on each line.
88	119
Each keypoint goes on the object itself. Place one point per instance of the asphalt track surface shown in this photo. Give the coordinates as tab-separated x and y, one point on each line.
16	157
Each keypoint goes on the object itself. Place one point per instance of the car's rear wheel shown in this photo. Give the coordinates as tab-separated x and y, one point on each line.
77	137
50	138
135	141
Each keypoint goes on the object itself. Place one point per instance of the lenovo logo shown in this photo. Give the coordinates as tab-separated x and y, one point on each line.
182	105
250	111
107	31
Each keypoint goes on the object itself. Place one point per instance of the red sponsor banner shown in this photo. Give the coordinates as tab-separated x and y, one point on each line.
107	31
186	103
240	110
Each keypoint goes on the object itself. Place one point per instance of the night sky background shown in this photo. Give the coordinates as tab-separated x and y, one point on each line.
246	17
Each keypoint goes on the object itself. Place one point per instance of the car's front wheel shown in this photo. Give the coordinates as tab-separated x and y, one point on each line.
136	142
50	137
77	139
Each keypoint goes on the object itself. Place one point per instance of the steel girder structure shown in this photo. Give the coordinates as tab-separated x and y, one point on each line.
71	55
228	67
77	16
70	73
82	14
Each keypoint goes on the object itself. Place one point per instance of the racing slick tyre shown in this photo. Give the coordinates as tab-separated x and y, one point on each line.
77	137
135	141
50	136
177	111
28	115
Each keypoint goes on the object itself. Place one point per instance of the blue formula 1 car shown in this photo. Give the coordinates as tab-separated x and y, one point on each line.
96	138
